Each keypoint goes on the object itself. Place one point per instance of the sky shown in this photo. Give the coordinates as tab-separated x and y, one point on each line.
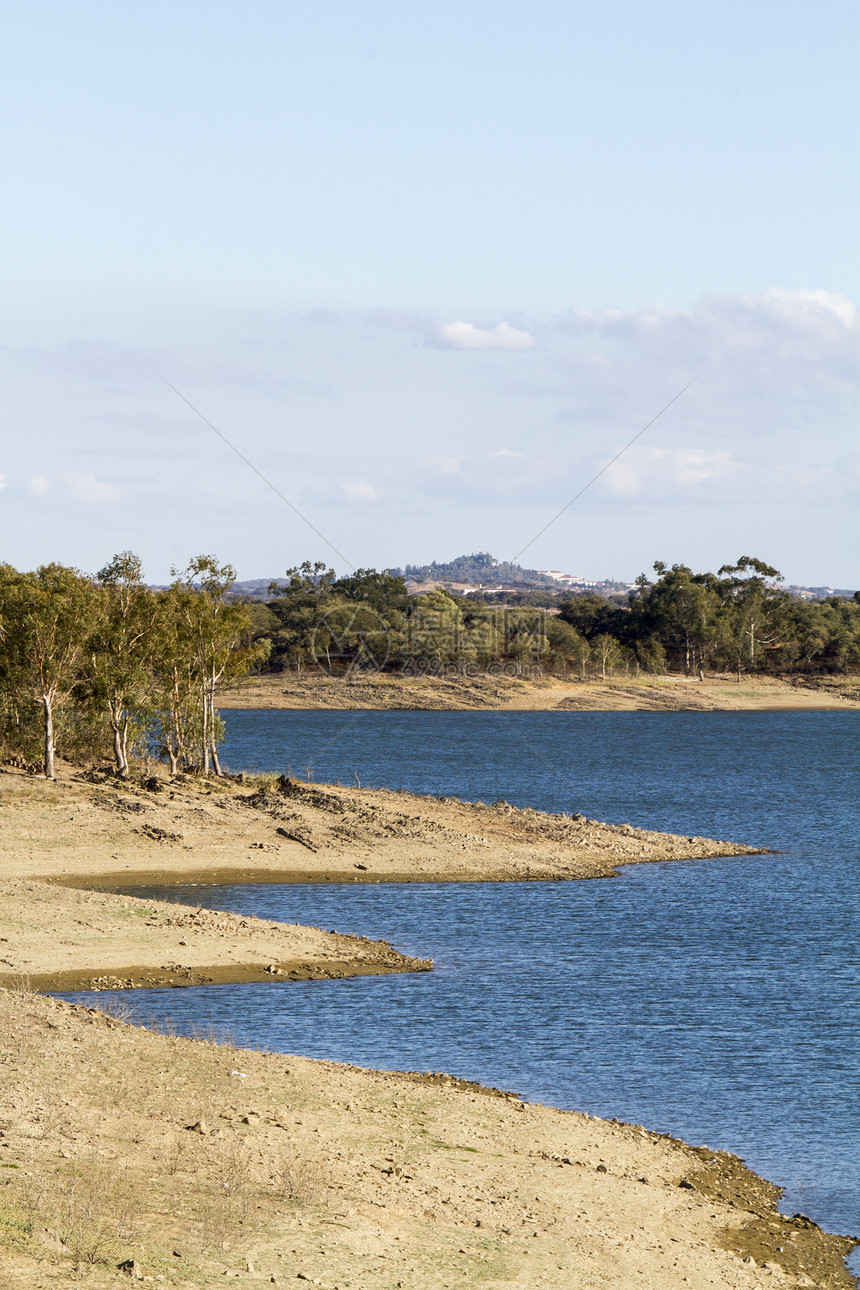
377	282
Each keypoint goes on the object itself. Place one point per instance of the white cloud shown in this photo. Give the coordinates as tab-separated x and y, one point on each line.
2	481
86	488
360	491
646	476
465	335
38	486
661	471
783	363
344	492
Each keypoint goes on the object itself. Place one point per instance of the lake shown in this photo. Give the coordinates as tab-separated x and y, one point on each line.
716	1000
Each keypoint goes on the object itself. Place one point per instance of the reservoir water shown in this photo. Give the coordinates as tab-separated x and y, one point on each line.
716	1000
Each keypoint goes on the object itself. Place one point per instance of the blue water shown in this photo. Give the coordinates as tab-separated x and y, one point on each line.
716	1000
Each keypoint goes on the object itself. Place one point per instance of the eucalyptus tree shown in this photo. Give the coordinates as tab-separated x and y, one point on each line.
216	631
121	651
755	608
682	610
175	688
48	619
567	645
434	630
608	652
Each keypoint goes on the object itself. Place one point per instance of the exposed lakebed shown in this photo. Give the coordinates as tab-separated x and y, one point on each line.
712	999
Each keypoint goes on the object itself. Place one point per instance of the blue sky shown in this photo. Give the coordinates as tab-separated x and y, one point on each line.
429	267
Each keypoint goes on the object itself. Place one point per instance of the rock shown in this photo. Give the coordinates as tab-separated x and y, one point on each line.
50	1240
132	1269
199	1126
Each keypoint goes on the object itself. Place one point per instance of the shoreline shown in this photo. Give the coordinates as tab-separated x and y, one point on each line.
189	1160
380	691
471	1183
68	847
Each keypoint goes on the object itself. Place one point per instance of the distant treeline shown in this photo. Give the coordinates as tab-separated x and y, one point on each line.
738	620
105	666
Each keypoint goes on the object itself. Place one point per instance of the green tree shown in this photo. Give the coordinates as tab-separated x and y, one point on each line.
48	617
218	632
175	684
567	646
755	609
682	610
120	651
434	629
384	592
608	653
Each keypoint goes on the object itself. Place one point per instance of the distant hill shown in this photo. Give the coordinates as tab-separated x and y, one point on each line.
480	569
483	570
254	588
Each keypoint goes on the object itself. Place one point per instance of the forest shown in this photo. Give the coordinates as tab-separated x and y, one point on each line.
738	620
105	666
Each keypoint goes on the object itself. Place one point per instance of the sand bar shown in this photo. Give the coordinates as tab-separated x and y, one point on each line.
65	844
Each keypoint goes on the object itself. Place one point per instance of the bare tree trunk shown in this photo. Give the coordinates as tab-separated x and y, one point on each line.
121	764
213	742
118	740
204	744
48	701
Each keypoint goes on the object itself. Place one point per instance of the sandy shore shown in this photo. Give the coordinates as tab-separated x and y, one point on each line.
85	831
191	1160
547	694
198	1164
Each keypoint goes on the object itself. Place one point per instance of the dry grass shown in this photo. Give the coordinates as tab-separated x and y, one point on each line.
91	1208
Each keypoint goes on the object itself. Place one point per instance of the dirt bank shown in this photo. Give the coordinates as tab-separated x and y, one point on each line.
188	1161
85	828
61	939
196	1164
84	831
501	692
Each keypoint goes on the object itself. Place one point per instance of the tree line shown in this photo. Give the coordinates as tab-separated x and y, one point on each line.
106	664
739	619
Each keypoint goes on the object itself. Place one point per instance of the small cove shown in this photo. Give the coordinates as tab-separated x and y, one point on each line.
714	999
